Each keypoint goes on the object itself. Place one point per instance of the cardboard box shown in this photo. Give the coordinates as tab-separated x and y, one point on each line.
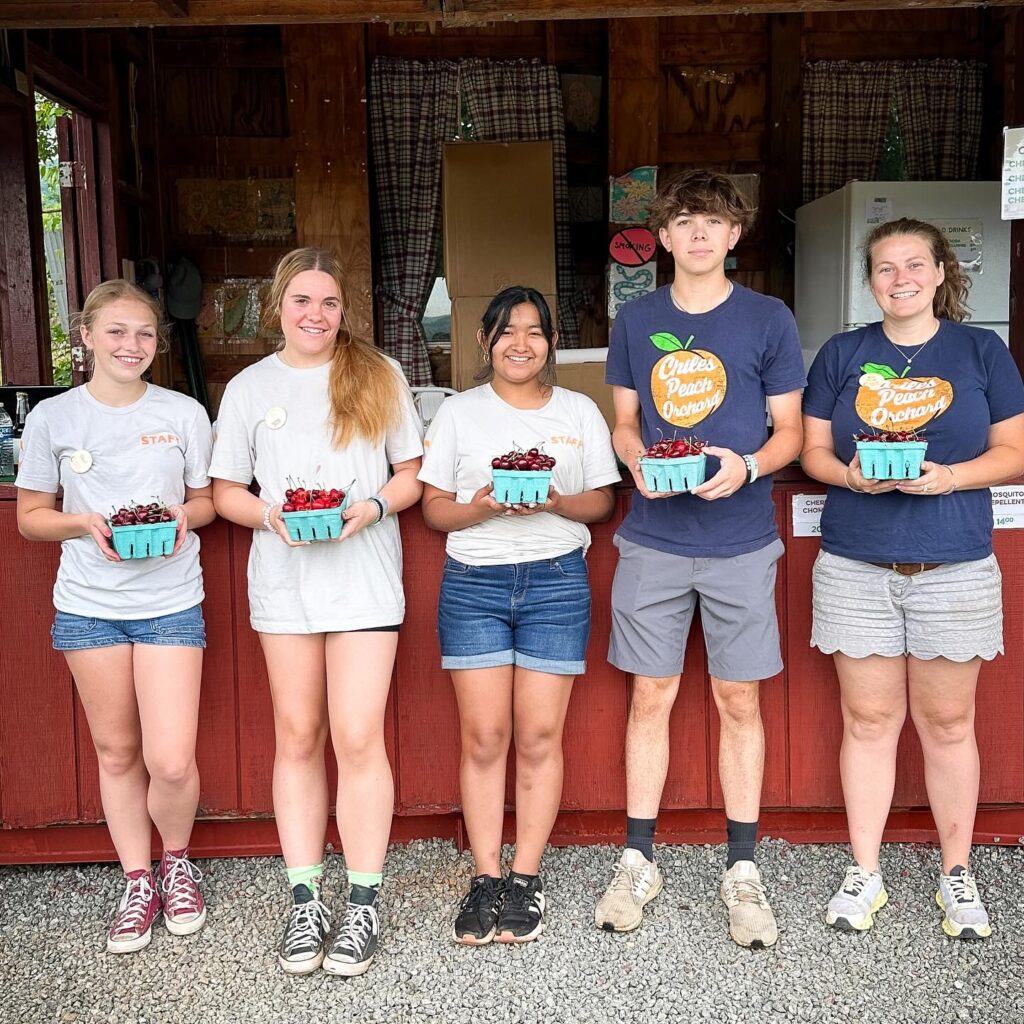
499	217
585	374
467	356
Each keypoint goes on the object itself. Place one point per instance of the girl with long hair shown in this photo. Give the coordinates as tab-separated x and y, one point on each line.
131	629
327	408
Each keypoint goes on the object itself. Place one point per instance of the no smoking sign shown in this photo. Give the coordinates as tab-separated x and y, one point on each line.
632	247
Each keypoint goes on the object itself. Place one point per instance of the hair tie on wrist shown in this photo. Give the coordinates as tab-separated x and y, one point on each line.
267	510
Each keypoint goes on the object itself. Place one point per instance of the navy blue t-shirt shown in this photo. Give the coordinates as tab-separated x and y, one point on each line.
706	375
962	382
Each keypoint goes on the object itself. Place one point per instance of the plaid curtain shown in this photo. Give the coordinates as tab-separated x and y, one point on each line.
521	101
846	110
414	110
939	104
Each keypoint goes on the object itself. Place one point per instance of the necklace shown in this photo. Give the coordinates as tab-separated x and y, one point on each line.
909	359
676	303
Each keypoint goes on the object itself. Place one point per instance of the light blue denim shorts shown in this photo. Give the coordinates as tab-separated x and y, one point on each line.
81	633
533	614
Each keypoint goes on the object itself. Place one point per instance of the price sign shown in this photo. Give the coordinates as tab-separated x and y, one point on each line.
807	514
1008	507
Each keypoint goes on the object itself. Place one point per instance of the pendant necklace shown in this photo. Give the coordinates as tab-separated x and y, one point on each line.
676	303
909	359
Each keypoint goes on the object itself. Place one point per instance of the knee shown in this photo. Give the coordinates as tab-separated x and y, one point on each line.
653	699
870	724
945	726
355	748
300	741
118	758
483	747
172	771
537	748
739	706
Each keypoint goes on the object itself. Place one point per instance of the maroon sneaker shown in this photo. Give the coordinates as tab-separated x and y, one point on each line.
138	909
184	908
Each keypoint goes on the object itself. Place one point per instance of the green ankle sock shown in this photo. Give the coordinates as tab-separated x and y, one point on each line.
309	876
368	879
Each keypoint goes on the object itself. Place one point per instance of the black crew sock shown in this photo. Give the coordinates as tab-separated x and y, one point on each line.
742	839
640	835
363	895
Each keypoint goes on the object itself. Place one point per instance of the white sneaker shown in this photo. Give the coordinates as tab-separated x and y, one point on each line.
854	906
635	883
966	917
751	921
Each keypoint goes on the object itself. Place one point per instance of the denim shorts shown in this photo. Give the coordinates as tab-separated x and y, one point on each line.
80	633
533	614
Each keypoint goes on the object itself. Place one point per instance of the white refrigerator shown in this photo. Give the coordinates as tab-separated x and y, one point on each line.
832	294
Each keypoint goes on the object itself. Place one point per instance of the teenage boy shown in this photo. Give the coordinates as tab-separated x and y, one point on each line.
700	358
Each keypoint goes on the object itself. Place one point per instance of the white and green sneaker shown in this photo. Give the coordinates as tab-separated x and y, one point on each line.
861	895
966	917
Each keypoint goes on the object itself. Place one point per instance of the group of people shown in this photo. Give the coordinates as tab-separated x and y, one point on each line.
906	589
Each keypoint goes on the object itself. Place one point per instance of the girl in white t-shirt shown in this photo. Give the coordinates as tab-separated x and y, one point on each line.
514	608
131	630
326	409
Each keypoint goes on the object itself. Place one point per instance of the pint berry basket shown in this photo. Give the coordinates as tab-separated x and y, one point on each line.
145	540
317	523
673	476
520	486
891	460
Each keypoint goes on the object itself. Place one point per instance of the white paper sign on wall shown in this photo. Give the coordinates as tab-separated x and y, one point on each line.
1013	174
1008	507
807	514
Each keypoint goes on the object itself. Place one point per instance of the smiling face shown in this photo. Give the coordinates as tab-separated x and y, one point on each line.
699	242
904	277
122	339
520	352
310	317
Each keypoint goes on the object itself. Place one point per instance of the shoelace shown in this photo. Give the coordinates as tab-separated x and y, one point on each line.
179	885
356	928
963	888
635	879
481	894
855	881
307	927
131	914
743	890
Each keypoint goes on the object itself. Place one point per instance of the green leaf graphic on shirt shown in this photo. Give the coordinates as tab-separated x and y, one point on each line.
881	369
668	342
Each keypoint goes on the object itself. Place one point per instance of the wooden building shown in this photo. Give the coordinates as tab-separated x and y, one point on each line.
175	101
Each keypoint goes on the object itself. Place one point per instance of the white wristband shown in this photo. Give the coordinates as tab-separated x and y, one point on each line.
267	509
752	468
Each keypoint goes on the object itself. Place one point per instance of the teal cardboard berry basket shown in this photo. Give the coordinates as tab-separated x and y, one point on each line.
520	486
146	540
316	524
891	460
674	476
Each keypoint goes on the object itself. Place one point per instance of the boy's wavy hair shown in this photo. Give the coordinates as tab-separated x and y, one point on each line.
701	192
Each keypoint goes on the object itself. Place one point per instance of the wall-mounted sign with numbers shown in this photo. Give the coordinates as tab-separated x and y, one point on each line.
1007	510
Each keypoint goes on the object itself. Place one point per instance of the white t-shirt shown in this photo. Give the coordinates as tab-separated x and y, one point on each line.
321	587
147	451
472	428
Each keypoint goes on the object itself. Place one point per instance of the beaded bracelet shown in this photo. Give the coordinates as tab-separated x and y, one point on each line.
267	510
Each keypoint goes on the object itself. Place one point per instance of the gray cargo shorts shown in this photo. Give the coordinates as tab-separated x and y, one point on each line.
654	595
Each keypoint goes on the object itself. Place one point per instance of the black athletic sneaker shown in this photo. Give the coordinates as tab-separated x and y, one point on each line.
302	945
478	911
522	915
358	936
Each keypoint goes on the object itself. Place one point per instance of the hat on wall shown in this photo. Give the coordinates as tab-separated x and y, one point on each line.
184	290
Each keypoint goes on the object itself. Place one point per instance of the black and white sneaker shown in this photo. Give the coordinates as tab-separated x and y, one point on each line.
522	914
358	936
305	934
478	911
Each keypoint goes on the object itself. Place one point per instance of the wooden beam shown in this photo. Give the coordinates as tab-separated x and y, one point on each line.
634	89
141	13
175	8
326	82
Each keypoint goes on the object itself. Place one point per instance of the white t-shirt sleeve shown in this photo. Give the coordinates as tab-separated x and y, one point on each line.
40	467
233	456
440	457
198	450
599	466
405	440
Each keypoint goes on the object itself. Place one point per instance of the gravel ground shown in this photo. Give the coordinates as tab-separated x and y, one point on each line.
680	966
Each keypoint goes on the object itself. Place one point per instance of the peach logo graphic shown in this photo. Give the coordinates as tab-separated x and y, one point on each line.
890	402
687	384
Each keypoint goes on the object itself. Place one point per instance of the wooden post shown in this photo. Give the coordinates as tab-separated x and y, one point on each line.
781	191
325	68
634	89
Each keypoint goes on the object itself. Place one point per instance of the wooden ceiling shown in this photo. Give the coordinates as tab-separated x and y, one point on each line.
128	13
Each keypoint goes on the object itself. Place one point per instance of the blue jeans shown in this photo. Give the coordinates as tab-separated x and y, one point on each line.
80	633
533	614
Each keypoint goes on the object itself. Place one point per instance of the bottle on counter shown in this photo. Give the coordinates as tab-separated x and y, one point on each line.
20	415
6	445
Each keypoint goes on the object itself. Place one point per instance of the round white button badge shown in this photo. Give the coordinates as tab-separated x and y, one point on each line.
81	461
275	418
